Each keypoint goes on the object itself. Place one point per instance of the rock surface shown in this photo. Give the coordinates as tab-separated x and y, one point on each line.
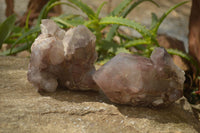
24	110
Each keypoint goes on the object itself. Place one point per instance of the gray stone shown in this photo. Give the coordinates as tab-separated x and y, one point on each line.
23	109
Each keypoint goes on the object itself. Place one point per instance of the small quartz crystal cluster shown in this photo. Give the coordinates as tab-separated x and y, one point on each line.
63	58
136	80
66	59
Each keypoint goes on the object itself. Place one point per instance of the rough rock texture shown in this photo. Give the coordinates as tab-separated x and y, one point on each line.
63	58
136	80
23	110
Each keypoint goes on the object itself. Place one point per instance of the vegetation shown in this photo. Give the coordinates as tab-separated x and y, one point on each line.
20	39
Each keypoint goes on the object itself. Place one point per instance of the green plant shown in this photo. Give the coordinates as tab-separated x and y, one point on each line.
21	39
105	44
148	35
6	28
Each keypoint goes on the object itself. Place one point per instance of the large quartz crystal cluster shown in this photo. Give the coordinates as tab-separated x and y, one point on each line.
63	58
66	59
136	80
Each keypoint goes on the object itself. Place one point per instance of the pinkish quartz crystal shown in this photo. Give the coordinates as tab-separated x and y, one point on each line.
136	80
63	58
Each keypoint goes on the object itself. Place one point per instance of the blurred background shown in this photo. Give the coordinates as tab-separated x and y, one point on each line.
175	25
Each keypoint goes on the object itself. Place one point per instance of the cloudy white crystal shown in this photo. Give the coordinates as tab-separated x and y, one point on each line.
62	58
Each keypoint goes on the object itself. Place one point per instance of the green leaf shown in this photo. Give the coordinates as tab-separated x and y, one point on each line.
15	50
70	23
136	43
125	37
122	50
185	56
55	4
99	9
155	28
111	47
125	22
6	28
135	4
65	23
154	20
108	46
86	9
27	19
26	34
68	16
127	10
111	32
90	23
43	12
118	10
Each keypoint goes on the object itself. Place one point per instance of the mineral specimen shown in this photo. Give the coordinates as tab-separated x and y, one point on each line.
63	58
136	80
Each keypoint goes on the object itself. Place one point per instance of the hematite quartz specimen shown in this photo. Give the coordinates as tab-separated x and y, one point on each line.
136	80
63	58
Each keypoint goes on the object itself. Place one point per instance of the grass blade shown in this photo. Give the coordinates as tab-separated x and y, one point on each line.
136	43
155	28
154	20
111	32
15	50
125	22
26	34
99	9
57	3
6	28
43	12
113	29
27	19
68	23
185	56
85	8
135	4
119	9
181	54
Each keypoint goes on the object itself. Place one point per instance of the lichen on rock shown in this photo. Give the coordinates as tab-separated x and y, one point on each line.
63	58
136	80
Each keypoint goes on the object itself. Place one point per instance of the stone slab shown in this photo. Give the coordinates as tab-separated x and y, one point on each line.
23	109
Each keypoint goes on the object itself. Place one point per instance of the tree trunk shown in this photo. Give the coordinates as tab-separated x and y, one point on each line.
9	7
194	35
35	7
194	31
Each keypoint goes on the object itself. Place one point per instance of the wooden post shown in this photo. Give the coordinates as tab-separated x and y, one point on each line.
194	31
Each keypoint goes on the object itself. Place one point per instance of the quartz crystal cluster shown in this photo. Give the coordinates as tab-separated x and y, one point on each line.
66	59
63	58
136	80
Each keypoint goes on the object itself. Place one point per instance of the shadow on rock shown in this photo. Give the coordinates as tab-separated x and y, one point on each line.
179	112
63	94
